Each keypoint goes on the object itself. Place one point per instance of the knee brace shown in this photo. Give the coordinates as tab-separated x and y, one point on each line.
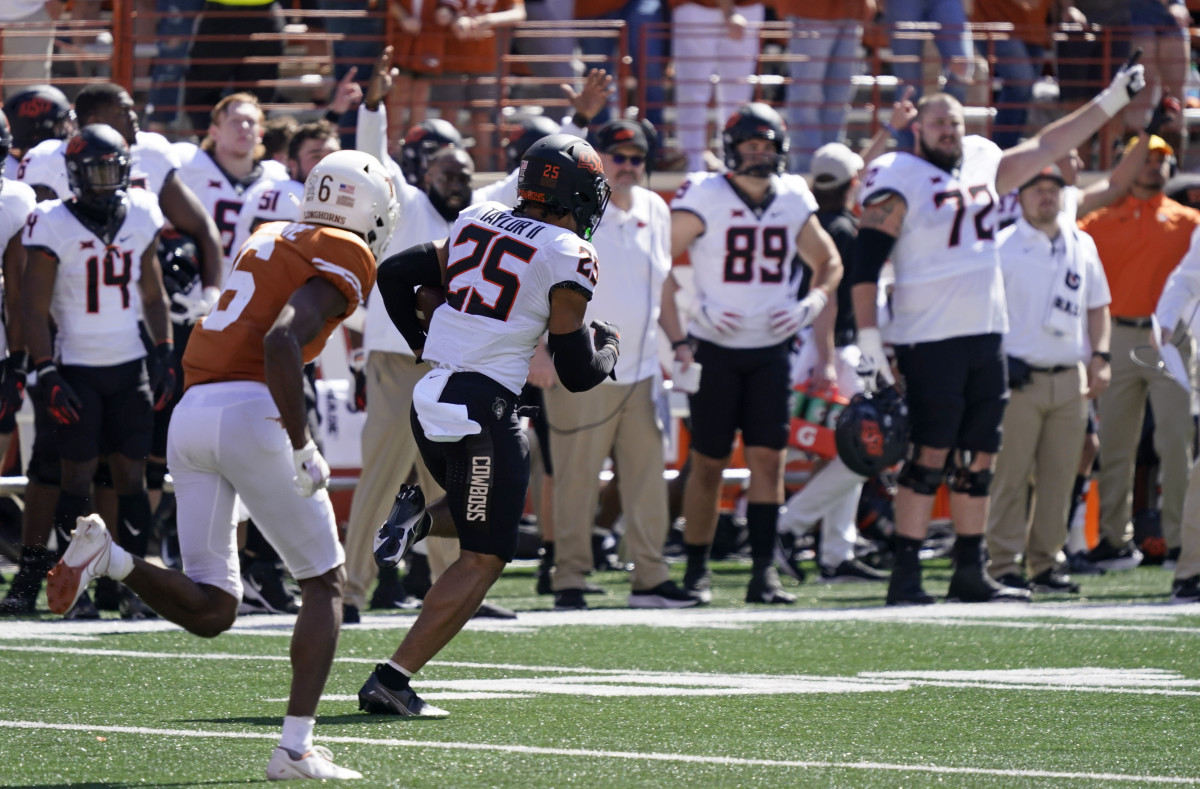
976	484
922	480
156	474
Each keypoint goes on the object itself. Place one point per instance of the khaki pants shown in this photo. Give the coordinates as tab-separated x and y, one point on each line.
389	452
1121	410
633	437
1044	426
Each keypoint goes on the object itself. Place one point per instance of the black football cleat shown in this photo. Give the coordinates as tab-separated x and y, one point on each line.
972	585
376	698
407	524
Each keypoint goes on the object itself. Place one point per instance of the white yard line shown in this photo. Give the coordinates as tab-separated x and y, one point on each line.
624	755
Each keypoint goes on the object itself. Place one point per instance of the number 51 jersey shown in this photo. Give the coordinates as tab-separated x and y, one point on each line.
948	280
499	276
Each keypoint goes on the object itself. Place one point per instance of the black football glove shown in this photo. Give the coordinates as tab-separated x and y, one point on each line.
60	399
163	373
12	383
1167	110
608	335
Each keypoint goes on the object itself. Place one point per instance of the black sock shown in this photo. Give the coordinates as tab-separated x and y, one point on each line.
968	551
548	553
697	557
390	677
69	508
908	552
133	519
762	520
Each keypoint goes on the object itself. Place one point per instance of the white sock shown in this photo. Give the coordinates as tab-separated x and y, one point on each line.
400	668
120	563
297	734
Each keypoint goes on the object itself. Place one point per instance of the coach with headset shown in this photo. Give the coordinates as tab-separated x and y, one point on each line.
618	418
1141	240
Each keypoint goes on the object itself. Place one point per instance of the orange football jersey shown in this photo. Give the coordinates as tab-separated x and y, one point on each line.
280	257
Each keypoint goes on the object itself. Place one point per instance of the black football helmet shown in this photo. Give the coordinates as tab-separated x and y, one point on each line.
98	164
755	121
179	258
564	171
522	132
872	431
423	141
39	113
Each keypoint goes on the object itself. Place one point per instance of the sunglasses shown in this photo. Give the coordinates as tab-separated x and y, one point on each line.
620	158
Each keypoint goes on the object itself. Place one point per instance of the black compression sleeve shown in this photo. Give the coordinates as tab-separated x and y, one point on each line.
871	251
398	278
577	366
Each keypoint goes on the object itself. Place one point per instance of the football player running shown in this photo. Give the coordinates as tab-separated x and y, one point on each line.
509	275
932	212
241	429
742	231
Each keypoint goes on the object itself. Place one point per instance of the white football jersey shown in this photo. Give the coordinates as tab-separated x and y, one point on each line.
267	200
501	271
96	303
419	222
151	160
948	281
17	202
743	261
221	195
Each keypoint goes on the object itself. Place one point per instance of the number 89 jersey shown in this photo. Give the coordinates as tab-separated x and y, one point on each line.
948	280
499	276
742	262
96	304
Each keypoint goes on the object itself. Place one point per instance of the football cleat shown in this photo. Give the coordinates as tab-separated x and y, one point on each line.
85	558
698	584
375	697
406	525
316	763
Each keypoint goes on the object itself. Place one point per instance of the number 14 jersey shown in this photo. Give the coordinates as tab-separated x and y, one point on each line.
948	280
499	276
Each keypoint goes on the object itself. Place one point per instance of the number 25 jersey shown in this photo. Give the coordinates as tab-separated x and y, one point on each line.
948	280
499	276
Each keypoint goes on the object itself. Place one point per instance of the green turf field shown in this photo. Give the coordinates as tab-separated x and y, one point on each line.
836	691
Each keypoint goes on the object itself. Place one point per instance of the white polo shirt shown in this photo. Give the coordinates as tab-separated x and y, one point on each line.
633	250
1036	272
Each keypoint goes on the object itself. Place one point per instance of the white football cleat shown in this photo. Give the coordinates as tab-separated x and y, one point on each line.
317	764
85	558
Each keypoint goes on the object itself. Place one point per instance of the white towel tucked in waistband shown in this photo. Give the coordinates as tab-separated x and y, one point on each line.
1064	313
446	422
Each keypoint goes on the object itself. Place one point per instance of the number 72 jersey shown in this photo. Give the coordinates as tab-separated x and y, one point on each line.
948	280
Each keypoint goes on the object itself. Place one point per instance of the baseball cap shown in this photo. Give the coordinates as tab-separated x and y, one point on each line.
834	164
1156	144
1050	173
621	132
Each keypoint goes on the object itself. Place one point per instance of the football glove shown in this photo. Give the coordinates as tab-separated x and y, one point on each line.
1166	110
1127	83
608	335
163	373
12	383
61	401
788	321
873	365
723	323
312	472
192	306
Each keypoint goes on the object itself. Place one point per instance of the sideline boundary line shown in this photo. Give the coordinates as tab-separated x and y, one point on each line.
627	755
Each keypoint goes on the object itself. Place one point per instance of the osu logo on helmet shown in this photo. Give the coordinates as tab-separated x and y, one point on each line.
77	144
35	108
590	160
872	438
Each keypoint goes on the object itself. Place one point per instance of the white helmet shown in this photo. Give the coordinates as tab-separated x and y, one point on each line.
352	190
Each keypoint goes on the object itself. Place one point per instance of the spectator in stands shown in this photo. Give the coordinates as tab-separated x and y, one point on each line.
557	49
618	417
173	32
471	60
1160	29
1058	359
741	232
647	48
950	36
27	35
1141	240
828	363
226	53
419	43
711	38
825	37
361	36
1016	58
